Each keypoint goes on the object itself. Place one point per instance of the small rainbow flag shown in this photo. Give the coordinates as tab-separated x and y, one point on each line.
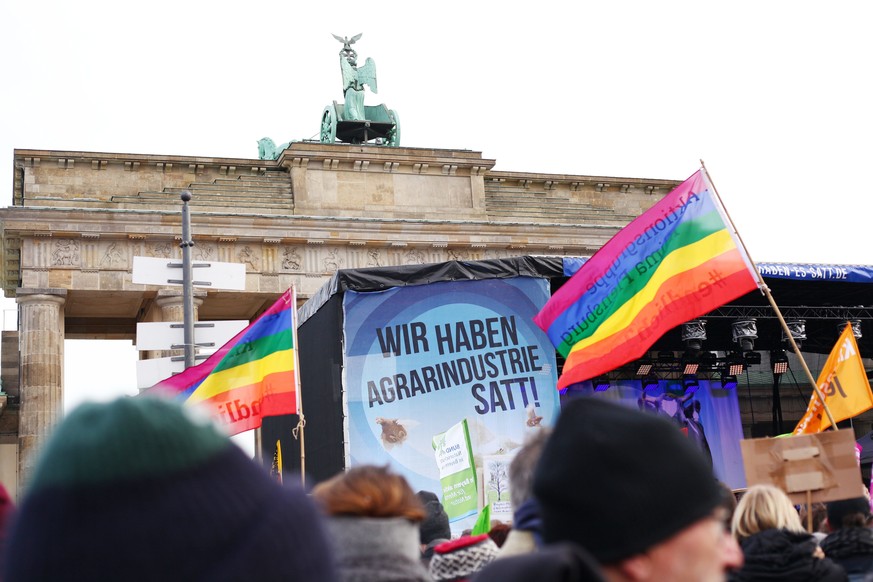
249	377
675	262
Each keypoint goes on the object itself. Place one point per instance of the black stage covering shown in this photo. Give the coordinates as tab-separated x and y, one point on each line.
824	303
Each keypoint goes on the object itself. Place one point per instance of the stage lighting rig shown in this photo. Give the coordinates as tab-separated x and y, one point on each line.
778	362
694	334
797	327
728	382
744	333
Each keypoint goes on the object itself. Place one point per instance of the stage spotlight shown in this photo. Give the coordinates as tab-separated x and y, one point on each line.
650	382
644	367
736	364
694	334
600	384
690	362
797	327
691	383
690	366
666	356
752	358
856	327
778	362
728	382
744	332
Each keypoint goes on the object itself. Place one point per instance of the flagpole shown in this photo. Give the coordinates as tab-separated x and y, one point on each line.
299	429
766	291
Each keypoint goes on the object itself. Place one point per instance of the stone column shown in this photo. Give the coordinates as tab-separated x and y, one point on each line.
41	349
172	309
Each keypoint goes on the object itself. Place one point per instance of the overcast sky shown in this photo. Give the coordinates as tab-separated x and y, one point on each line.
774	96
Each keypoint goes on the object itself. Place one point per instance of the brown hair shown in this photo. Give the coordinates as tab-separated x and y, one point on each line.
369	491
498	533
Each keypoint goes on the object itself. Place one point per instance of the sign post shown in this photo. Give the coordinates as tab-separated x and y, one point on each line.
187	282
166	336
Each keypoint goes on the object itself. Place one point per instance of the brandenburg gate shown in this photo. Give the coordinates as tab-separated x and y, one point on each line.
77	220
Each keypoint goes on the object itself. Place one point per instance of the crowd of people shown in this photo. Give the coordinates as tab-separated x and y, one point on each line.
143	489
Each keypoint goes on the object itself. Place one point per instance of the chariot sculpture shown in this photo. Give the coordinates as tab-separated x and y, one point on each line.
352	121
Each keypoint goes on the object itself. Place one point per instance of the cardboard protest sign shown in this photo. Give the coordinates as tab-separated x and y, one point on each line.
824	464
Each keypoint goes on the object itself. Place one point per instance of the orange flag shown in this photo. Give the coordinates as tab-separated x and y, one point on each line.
844	384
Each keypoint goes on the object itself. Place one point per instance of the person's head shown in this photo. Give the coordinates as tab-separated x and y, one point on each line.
498	533
523	465
728	501
764	507
634	491
848	513
435	525
458	560
140	489
369	491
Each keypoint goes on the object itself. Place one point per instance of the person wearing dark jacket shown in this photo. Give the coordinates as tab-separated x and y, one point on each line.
600	490
785	555
775	546
851	542
434	528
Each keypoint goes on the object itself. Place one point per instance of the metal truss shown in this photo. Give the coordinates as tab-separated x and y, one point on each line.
766	312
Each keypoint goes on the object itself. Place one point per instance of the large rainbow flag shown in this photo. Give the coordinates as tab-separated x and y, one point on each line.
249	377
675	262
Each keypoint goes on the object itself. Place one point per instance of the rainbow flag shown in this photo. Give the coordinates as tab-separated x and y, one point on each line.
249	377
675	262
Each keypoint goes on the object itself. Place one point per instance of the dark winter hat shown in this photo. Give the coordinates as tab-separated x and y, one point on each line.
461	558
435	524
137	489
606	472
427	496
838	510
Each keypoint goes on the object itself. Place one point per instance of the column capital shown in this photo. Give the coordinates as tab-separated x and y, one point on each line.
169	297
44	294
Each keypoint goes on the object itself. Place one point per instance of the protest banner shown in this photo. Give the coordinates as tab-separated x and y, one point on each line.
421	358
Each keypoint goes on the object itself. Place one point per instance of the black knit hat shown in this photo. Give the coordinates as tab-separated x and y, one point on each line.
435	524
136	489
618	481
837	510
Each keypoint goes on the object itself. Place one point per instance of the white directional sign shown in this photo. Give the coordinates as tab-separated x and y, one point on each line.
166	334
212	274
